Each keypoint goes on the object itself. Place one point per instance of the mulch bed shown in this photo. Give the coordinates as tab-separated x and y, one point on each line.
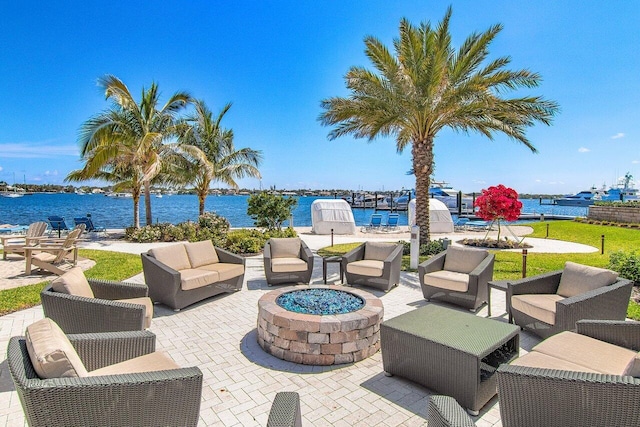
494	244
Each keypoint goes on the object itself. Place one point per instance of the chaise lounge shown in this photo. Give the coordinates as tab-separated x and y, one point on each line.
183	274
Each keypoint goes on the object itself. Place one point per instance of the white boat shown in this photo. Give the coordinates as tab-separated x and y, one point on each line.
370	201
11	195
441	190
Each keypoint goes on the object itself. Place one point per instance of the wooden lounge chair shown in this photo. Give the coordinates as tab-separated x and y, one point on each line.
16	244
52	257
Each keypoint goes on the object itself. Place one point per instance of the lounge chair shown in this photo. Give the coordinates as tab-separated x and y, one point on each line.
16	244
477	225
375	223
373	264
287	260
459	223
88	222
392	222
57	224
52	257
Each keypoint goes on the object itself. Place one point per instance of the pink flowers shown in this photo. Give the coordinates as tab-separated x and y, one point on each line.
498	203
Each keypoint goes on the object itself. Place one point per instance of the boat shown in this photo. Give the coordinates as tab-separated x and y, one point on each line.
369	201
441	190
583	198
12	194
623	191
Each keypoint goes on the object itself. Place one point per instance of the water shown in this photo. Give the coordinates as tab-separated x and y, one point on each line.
113	212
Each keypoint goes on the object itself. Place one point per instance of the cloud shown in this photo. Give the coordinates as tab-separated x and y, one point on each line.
51	173
583	150
39	149
635	162
618	135
0	168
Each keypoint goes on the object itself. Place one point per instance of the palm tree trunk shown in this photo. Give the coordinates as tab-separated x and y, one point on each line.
422	152
147	202
136	209
201	198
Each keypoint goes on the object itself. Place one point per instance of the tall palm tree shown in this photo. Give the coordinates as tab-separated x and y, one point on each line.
427	86
130	137
221	162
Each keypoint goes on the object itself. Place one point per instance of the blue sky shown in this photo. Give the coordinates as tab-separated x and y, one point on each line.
276	60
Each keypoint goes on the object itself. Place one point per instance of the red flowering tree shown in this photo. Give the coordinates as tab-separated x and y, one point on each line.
497	204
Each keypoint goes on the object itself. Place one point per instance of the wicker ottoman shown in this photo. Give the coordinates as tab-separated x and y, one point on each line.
448	351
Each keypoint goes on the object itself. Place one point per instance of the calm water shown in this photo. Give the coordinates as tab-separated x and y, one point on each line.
118	212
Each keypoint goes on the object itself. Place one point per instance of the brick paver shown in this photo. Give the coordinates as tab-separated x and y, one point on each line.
240	380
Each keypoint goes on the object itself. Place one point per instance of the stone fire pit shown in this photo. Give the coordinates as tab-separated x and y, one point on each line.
314	339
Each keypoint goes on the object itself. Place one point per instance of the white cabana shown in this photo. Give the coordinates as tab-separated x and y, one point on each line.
439	216
328	214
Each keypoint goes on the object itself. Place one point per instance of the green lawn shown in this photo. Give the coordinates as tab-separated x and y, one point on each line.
109	265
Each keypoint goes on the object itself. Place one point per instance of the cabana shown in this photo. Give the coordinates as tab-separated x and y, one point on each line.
439	216
332	214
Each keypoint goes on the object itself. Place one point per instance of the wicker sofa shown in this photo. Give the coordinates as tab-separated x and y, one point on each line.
553	302
80	305
588	378
183	274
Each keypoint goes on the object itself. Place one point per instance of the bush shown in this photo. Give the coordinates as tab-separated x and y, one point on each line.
270	210
626	264
247	241
210	226
431	248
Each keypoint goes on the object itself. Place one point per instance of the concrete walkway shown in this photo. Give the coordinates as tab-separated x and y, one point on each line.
240	380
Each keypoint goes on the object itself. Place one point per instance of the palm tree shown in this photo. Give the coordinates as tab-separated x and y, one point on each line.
427	86
130	138
220	161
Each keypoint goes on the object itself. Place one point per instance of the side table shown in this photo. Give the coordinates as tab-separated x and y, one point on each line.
501	285
331	259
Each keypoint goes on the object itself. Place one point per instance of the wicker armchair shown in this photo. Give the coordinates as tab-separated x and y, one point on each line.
444	411
373	264
169	397
287	260
604	303
550	397
79	314
457	275
285	410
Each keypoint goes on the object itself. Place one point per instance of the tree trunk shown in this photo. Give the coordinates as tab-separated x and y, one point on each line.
422	153
201	199
136	211
147	202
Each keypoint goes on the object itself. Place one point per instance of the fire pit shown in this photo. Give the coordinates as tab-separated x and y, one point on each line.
323	325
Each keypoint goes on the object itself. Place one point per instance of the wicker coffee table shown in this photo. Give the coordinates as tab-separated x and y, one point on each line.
448	351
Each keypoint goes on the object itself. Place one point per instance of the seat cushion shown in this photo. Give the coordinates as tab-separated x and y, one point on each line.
577	279
285	247
378	250
588	352
463	260
366	267
73	282
193	278
633	368
538	306
288	265
148	308
201	253
228	271
173	256
449	280
45	257
52	354
152	362
536	359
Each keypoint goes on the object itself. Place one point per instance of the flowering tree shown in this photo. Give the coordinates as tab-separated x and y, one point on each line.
498	203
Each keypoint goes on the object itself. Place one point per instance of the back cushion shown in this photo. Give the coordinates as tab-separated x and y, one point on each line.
633	368
51	353
285	247
577	279
201	253
463	260
173	256
73	282
378	251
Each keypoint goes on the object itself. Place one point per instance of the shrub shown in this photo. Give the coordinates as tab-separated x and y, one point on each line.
626	264
248	241
270	210
210	226
431	248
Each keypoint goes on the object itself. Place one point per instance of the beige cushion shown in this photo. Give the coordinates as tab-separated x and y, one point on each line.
45	257
366	267
287	265
449	280
148	308
73	282
173	256
192	278
378	251
201	253
588	352
633	368
538	306
285	247
228	271
156	361
577	279
463	260
51	353
535	359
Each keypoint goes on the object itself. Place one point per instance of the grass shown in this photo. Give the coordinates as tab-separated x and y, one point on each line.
109	265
